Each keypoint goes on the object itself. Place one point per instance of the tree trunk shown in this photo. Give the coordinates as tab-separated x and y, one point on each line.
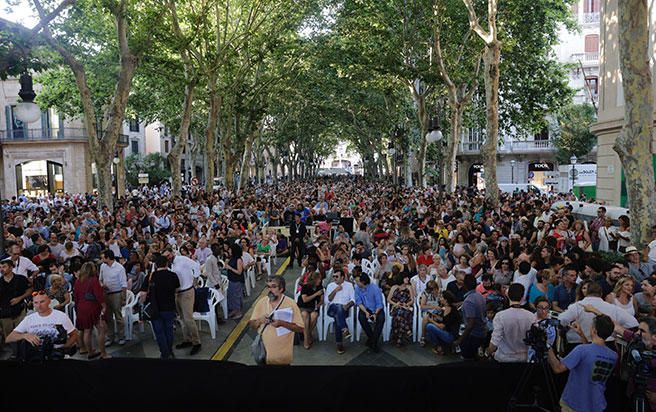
230	165
244	173
491	58
633	144
422	117
175	155
104	175
452	147
210	132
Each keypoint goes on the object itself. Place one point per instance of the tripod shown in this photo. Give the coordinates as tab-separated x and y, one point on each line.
541	363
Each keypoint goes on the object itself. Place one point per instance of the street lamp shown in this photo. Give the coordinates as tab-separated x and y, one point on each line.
512	171
27	111
572	161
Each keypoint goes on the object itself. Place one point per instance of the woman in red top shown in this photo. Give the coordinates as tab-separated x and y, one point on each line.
425	256
90	308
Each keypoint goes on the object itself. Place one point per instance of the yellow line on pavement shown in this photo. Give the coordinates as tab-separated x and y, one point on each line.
224	349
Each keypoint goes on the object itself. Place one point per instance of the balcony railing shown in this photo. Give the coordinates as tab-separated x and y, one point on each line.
591	56
517	146
44	134
67	133
590	18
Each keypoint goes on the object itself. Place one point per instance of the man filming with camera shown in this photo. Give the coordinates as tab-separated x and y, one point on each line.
590	365
50	331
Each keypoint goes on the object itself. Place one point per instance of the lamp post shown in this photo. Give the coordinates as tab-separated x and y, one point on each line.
572	161
116	161
27	111
512	171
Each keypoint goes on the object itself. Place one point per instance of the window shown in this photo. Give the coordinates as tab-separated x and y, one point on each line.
166	146
593	84
591	6
592	43
134	125
135	146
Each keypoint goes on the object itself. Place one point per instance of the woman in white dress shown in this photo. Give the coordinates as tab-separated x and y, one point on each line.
622	295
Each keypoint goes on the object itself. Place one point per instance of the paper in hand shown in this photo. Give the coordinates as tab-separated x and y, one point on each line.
284	315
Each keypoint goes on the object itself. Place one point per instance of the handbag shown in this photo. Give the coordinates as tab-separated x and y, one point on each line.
150	310
258	350
89	296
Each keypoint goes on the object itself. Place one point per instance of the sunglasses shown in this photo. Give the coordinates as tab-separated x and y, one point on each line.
37	293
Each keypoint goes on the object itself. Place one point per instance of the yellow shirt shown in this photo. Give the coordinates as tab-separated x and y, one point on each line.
279	349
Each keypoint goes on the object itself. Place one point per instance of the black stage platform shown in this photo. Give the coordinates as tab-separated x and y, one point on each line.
158	385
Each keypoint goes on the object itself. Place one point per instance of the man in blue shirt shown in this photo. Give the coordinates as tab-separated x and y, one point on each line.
589	366
369	299
565	293
473	312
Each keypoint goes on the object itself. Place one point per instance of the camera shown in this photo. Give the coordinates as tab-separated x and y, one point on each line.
637	363
539	335
46	350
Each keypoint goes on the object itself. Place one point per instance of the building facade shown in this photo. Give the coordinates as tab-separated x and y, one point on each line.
51	155
610	185
532	159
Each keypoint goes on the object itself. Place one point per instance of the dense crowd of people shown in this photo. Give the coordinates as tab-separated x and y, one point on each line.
404	263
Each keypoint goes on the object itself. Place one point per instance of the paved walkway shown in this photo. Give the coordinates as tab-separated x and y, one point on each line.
234	338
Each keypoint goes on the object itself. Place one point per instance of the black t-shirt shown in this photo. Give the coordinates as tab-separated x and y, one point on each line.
165	283
458	292
309	290
9	290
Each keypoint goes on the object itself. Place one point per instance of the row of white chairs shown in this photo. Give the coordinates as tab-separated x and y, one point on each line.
325	323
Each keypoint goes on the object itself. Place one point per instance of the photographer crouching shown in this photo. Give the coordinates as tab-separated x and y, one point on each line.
46	334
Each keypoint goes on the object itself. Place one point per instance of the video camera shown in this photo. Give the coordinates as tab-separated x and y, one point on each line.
537	337
46	350
637	362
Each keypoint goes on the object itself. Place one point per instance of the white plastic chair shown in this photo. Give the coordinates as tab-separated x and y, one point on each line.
129	317
224	302
297	293
209	317
367	267
329	321
69	310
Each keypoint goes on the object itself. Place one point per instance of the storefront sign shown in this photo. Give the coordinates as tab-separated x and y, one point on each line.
540	167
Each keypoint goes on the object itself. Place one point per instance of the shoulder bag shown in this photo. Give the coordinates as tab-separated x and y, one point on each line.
150	309
257	347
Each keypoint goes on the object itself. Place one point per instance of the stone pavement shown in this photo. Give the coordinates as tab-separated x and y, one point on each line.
233	340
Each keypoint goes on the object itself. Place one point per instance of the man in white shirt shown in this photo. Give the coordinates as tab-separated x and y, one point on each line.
510	326
44	323
115	284
576	313
202	252
188	271
22	265
340	297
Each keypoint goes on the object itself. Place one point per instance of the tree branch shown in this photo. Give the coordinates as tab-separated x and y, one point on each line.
473	21
50	16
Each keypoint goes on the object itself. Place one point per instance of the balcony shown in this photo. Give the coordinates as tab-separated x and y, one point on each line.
41	135
590	18
517	146
21	135
588	57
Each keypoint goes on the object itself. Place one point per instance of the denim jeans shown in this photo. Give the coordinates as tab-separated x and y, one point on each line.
336	311
374	334
438	336
163	327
